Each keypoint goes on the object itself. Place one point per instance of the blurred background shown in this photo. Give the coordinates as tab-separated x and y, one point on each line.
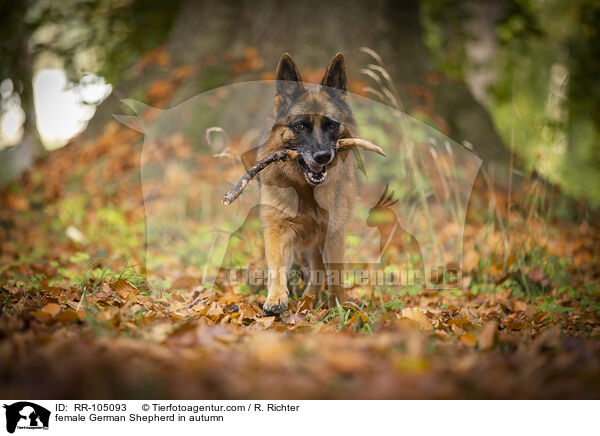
505	76
91	301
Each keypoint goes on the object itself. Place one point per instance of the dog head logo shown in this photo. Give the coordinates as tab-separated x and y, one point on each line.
409	207
26	415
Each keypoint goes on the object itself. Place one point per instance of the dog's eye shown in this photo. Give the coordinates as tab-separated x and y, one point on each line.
299	126
332	125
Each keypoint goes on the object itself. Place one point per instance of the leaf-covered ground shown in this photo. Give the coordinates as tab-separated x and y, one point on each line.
81	317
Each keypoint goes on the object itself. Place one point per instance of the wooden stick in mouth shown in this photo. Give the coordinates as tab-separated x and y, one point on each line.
276	156
360	143
290	154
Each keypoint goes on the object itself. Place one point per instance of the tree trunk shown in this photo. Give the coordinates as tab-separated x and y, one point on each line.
313	31
13	160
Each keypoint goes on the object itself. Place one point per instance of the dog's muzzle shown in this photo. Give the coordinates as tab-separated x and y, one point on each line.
314	174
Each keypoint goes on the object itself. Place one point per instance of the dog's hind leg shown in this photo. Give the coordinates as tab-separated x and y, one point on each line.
333	256
317	273
297	272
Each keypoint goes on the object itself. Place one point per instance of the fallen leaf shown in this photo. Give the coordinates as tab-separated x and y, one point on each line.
160	90
520	306
516	324
185	283
469	339
246	311
487	335
462	323
415	314
51	309
68	316
215	310
265	322
541	317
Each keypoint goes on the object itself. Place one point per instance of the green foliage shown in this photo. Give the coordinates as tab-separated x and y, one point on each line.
358	318
550	305
105	37
445	35
545	95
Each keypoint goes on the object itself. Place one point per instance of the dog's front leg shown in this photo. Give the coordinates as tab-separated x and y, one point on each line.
278	250
334	263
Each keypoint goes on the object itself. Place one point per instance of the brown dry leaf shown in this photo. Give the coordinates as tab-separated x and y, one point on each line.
105	291
215	310
265	322
520	306
185	283
184	335
246	311
124	285
406	324
267	75
541	317
159	91
469	339
410	364
183	72
462	323
126	290
51	309
269	348
159	56
487	335
346	361
516	324
229	298
457	330
415	314
303	304
110	315
68	316
496	269
357	86
177	306
16	202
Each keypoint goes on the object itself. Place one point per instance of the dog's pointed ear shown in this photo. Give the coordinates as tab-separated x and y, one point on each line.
288	77
336	75
287	70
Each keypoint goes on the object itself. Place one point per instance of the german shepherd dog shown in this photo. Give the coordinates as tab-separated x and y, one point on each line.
309	228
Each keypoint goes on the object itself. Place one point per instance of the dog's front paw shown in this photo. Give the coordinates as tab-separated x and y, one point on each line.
275	305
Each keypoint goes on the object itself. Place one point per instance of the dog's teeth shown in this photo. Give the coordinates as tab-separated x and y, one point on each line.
310	174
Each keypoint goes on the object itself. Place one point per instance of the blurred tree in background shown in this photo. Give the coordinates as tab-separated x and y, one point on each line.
535	66
212	34
502	75
16	72
79	36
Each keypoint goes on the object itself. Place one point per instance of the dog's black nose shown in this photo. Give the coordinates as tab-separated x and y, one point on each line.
322	157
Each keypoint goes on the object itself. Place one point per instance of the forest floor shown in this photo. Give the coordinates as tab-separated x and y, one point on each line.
526	328
81	316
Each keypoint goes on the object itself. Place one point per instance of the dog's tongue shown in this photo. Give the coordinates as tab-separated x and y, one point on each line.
316	168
